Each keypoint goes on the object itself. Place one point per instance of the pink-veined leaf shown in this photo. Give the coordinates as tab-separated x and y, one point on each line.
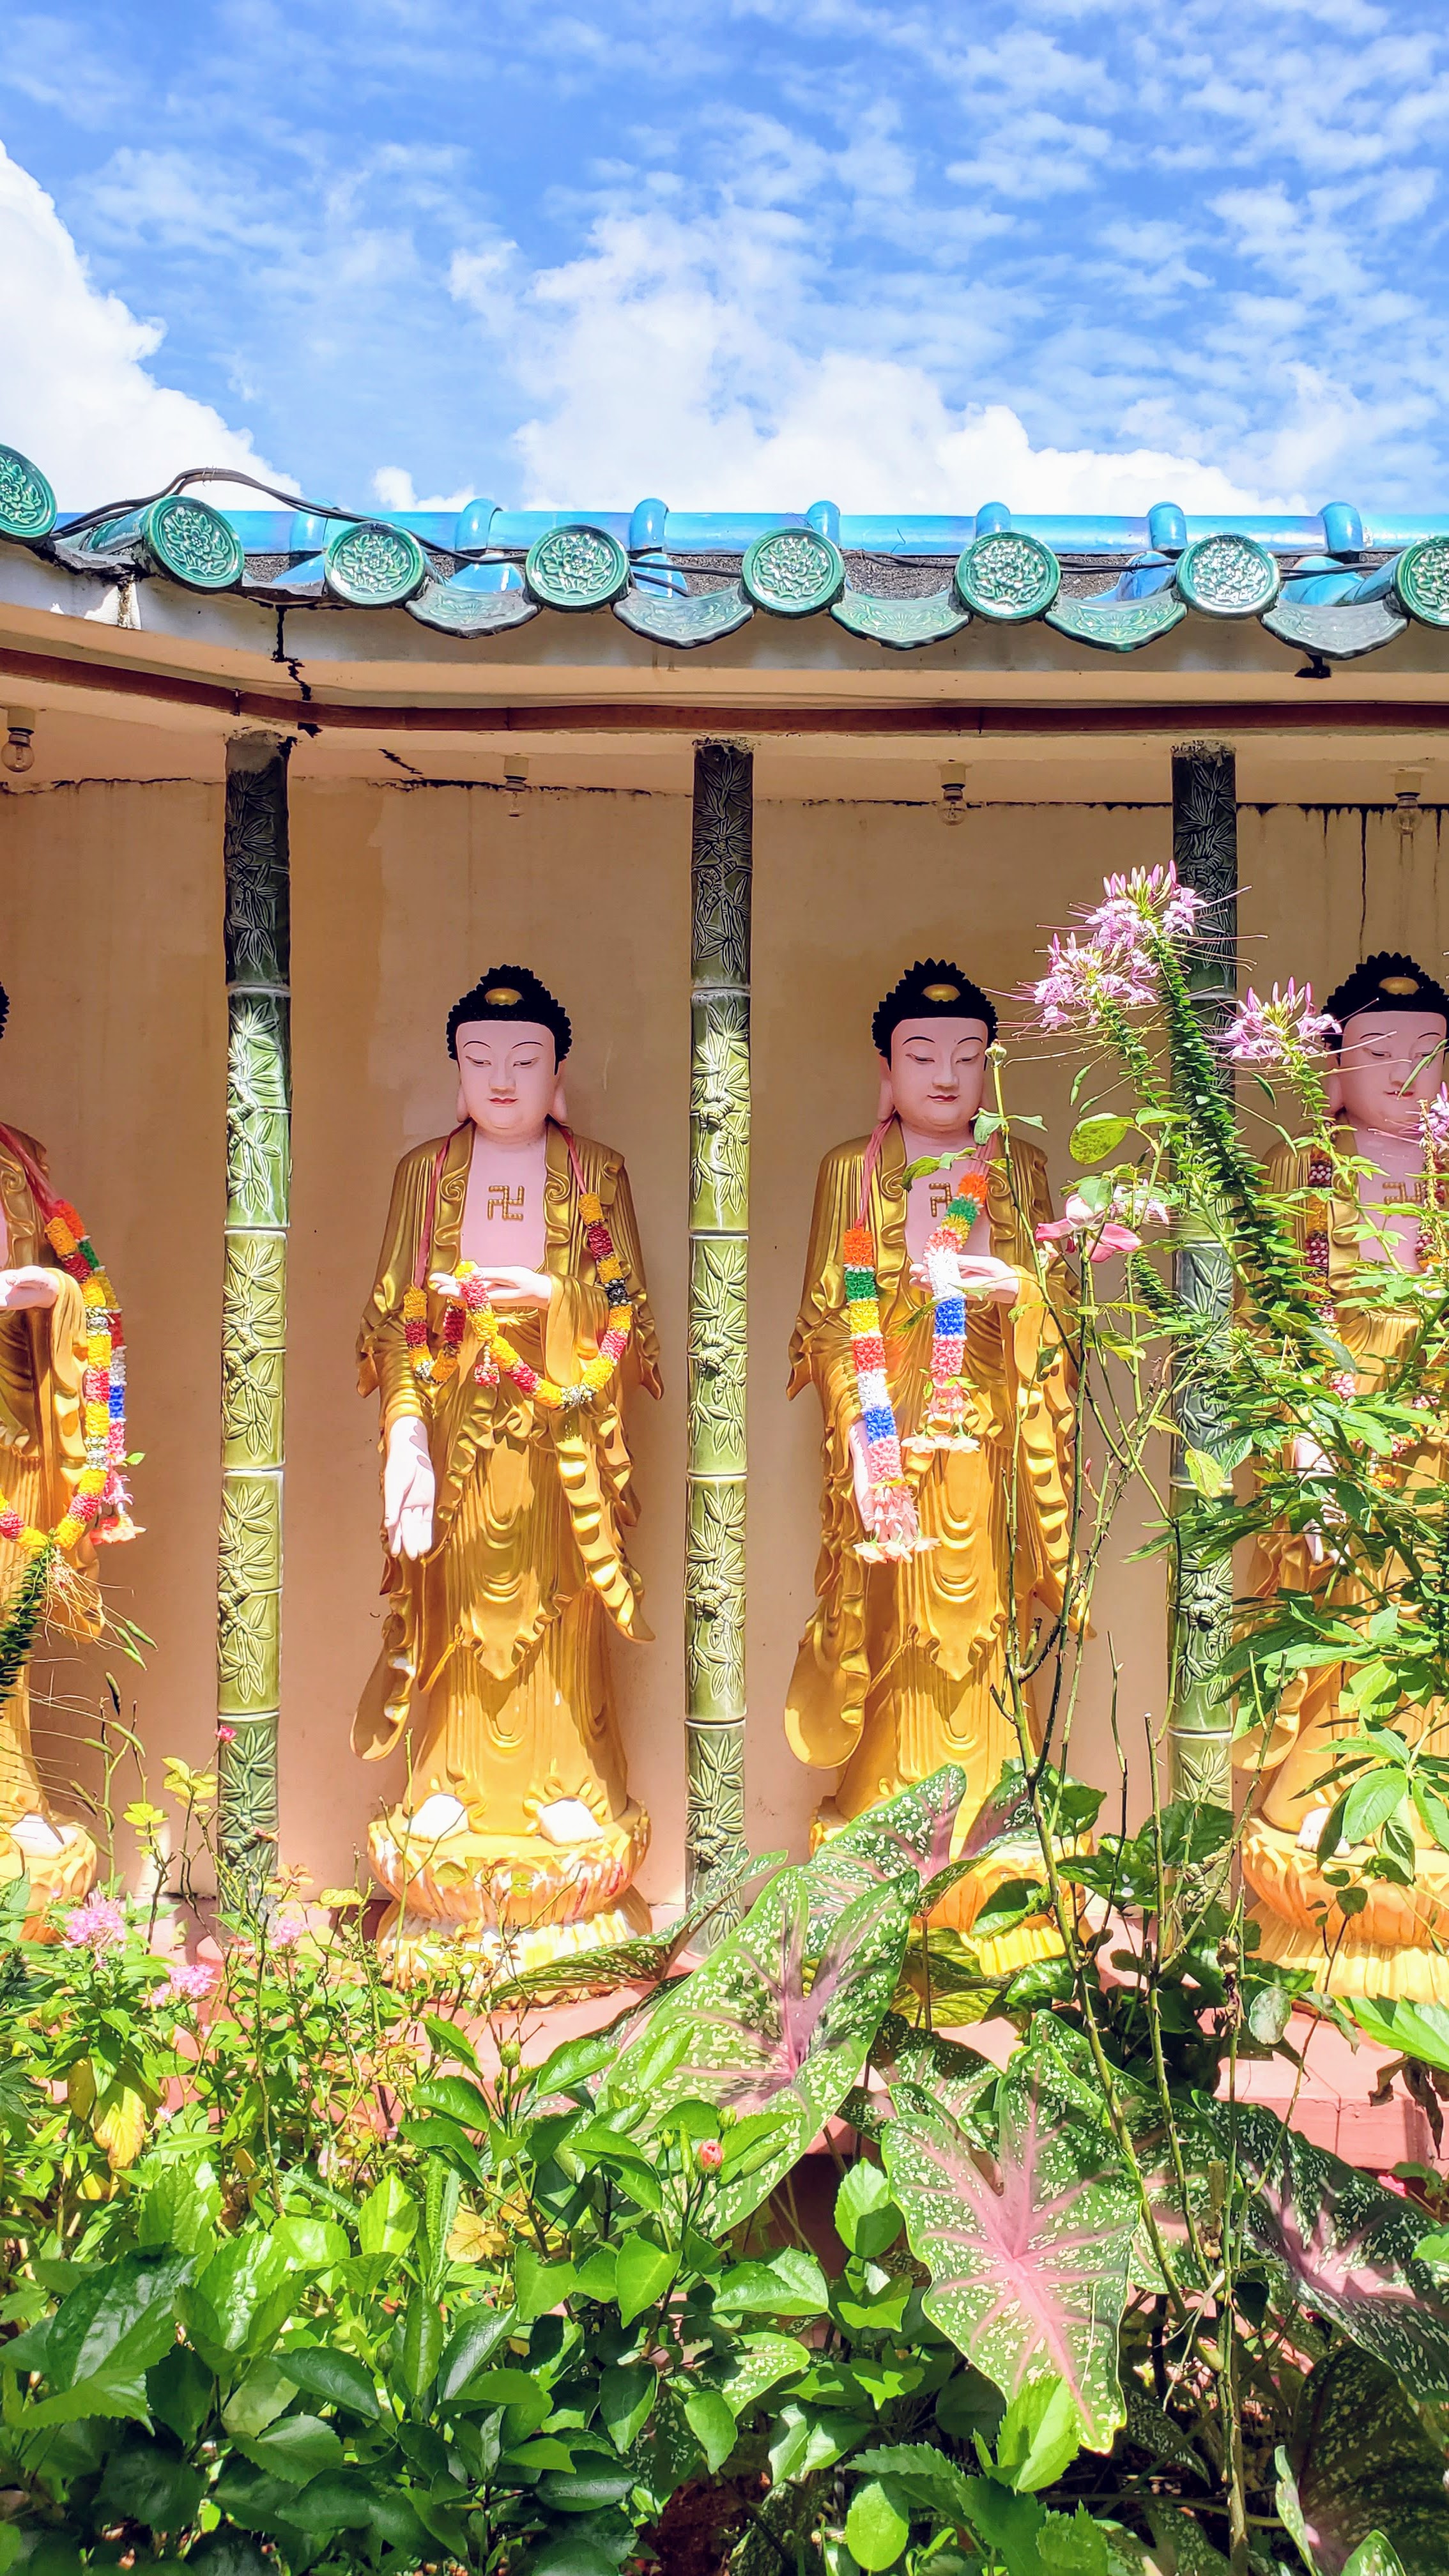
1028	2247
913	1831
1341	2244
1361	2463
762	2037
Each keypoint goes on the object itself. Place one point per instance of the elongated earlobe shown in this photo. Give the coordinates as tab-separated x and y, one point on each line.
462	1112
560	1110
886	1105
1335	1094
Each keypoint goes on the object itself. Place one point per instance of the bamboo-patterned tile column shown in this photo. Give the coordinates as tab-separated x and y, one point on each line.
1205	850
254	1302
719	1179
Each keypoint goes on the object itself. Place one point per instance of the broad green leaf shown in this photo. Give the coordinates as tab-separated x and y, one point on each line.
117	2323
180	2392
314	2244
712	2424
295	2447
1009	2523
759	2037
626	2401
1411	2030
1375	2556
1093	1139
264	2393
455	2097
876	2527
792	2284
1040	2436
644	2273
758	2362
388	2218
476	2335
1074	2545
866	2218
539	2286
243	2297
338	2378
813	2437
588	2490
421	2344
927	2477
1029	2264
339	2500
1371	1801
570	2553
1363	2467
147	2482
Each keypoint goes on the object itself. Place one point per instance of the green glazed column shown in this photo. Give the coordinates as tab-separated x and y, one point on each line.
254	1304
1205	850
721	862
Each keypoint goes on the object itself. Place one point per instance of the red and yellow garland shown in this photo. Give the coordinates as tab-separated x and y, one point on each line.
99	1505
499	1357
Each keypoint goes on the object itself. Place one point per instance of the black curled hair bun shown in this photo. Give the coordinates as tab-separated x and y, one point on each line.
932	989
1388	982
512	993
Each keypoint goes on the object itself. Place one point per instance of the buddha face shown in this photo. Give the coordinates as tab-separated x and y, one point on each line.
938	1076
1391	1062
507	1076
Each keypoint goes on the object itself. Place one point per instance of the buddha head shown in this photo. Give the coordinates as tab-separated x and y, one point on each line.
1393	1019
931	1033
508	1038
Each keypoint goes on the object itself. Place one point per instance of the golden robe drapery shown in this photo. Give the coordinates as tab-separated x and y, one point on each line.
42	1455
900	1665
502	1624
1393	1947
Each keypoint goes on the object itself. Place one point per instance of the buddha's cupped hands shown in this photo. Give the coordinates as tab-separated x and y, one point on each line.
505	1286
977	1274
33	1285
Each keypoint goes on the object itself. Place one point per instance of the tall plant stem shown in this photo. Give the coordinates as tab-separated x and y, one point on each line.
1200	1609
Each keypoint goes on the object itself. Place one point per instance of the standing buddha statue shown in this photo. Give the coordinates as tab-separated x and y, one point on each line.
948	1403
62	1449
508	1313
1391	1022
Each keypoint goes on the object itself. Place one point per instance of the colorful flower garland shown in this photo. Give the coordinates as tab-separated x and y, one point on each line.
99	1503
895	1528
499	1355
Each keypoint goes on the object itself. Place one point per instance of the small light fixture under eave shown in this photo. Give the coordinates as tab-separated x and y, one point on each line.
18	753
953	791
515	778
1407	786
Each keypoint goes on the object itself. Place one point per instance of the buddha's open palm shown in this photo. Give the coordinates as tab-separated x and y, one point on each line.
409	1489
505	1286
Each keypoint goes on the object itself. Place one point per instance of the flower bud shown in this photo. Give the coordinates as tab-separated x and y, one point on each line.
709	2155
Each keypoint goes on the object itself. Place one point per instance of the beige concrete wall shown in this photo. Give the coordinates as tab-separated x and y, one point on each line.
400	896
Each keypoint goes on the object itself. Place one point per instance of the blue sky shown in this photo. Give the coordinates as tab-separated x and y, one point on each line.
1059	253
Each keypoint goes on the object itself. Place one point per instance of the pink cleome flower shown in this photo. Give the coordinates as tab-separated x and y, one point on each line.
1149	899
99	1924
1434	1119
1268	1032
289	1927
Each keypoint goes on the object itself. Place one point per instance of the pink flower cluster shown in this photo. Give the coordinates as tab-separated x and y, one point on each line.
1434	1122
1105	1230
99	1924
185	1984
1116	963
1268	1032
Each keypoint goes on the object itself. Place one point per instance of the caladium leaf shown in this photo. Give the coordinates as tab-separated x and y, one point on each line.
1362	2467
759	2038
943	2071
1340	2244
640	1962
913	1832
1029	2246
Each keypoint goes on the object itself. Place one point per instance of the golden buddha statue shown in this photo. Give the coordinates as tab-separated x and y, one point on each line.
43	1358
1392	1020
508	1313
933	1553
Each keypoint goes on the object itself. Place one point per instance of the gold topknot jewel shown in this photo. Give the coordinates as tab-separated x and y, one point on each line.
1398	983
502	996
941	992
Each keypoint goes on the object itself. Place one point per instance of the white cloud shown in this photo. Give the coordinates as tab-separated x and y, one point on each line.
80	400
678	358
